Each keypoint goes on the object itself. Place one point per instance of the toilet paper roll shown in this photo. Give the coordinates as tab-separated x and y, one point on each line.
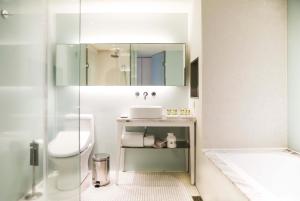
149	141
133	139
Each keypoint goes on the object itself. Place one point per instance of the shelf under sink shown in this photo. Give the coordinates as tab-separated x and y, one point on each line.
180	145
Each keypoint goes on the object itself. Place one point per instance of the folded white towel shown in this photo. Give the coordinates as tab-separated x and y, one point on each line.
149	141
133	139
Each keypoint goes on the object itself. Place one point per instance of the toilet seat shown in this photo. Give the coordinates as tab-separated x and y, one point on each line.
66	143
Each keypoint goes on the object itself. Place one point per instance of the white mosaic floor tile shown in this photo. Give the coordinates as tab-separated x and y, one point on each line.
132	187
141	187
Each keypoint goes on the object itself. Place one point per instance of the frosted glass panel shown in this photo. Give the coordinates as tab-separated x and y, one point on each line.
63	176
22	78
294	74
66	65
25	113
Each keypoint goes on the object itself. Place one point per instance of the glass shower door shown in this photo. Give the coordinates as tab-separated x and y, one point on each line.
32	107
22	87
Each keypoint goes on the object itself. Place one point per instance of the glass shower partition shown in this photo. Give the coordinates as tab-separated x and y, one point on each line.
32	107
63	173
294	74
22	94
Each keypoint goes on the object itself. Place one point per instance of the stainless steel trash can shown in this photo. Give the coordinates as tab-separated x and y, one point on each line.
100	170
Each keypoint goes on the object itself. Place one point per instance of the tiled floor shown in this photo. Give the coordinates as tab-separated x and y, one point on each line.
132	187
144	187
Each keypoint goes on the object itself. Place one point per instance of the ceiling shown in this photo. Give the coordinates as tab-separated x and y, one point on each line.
121	6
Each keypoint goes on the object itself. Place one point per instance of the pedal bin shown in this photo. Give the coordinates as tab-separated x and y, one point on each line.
100	170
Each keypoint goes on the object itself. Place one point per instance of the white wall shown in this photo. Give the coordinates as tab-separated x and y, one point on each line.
294	74
244	73
124	28
134	27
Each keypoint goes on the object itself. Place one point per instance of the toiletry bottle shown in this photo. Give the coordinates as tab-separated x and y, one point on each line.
171	140
182	112
188	112
169	111
175	112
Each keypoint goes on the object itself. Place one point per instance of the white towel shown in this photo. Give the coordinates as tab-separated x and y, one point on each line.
149	141
133	139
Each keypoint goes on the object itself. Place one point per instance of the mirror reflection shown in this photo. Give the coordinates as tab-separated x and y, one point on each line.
157	64
121	64
108	64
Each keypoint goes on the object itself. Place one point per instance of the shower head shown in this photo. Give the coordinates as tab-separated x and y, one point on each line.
116	53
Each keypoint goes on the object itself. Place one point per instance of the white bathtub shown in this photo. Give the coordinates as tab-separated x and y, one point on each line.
255	175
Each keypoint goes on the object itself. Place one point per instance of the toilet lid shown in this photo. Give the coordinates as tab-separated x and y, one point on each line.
66	143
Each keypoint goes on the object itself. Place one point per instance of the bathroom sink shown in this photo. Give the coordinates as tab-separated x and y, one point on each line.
145	112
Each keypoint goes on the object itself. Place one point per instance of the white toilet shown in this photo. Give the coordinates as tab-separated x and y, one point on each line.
72	164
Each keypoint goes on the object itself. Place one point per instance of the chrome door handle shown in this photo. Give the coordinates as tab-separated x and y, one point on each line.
4	13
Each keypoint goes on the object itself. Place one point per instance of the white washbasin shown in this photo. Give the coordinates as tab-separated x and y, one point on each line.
145	112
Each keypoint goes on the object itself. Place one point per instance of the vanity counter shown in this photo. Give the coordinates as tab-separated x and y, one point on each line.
165	119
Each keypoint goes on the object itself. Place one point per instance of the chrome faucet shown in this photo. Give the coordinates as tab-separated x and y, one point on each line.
145	94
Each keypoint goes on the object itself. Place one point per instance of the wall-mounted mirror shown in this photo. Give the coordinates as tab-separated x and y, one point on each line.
121	64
